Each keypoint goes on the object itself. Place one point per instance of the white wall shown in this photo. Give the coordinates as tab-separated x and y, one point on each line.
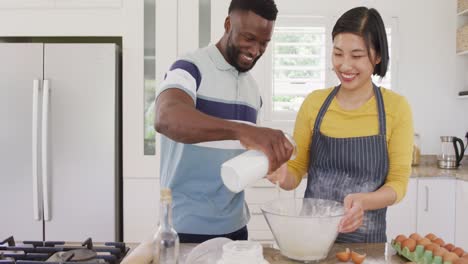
429	72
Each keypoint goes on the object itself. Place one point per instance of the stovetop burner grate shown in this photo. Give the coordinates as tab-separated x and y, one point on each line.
50	252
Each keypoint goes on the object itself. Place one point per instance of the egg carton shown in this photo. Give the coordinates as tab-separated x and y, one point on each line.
419	255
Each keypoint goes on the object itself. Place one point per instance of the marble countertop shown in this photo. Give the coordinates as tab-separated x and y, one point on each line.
375	253
428	168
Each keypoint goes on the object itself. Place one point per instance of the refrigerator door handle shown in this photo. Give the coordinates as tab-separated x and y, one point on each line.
45	150
37	201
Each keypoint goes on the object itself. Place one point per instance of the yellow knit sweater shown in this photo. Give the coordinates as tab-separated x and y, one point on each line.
340	123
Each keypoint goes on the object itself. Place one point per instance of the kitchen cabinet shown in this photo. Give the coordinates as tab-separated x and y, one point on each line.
461	204
436	207
39	18
60	3
141	207
401	217
60	141
462	44
27	4
88	3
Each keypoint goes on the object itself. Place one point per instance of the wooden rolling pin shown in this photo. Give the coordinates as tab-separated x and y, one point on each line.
143	254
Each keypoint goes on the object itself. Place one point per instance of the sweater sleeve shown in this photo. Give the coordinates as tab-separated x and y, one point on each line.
302	135
400	147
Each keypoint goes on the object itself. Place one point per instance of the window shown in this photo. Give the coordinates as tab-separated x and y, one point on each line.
298	65
301	63
149	76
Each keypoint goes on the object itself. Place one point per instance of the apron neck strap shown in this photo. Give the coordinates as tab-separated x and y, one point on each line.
380	109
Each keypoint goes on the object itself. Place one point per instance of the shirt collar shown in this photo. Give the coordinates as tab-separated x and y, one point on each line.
218	59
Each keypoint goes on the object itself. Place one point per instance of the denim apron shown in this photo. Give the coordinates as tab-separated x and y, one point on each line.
340	166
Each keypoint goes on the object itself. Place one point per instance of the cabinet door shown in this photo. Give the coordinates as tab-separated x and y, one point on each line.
436	208
461	209
88	3
26	4
83	142
141	207
20	65
401	218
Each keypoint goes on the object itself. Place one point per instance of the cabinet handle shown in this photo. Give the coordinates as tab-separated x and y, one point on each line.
45	149
427	199
35	164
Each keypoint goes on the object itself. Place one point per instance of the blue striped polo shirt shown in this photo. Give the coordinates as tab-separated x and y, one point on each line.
201	202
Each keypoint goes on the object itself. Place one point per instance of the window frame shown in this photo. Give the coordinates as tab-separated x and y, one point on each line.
265	76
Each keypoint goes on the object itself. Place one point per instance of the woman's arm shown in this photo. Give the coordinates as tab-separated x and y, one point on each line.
285	178
290	174
400	150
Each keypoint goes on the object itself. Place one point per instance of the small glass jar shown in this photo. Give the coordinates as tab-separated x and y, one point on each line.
416	150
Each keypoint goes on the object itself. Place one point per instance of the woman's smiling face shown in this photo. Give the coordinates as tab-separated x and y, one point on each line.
352	63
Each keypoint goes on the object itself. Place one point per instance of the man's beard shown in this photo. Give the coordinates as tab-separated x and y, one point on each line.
233	56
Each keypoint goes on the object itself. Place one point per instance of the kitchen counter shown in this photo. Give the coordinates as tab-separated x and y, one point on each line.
376	253
428	168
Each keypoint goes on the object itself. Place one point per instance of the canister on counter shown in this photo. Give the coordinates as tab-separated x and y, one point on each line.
416	150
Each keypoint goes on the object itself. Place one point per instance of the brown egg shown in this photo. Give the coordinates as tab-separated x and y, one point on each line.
431	236
400	239
450	257
344	256
357	258
415	236
459	251
449	246
439	242
409	243
424	241
461	261
465	256
439	252
431	247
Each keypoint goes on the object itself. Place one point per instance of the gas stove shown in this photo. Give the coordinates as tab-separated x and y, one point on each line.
36	252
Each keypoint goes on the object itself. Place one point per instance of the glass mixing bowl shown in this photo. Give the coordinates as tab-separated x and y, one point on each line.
304	229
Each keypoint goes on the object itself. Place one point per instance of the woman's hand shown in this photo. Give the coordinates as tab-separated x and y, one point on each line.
284	178
354	212
279	175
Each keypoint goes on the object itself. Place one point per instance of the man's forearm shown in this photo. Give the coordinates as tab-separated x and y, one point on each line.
185	124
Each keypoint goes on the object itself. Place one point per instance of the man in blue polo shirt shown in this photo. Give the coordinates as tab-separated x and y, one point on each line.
206	111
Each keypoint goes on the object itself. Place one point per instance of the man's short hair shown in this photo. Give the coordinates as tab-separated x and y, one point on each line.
264	8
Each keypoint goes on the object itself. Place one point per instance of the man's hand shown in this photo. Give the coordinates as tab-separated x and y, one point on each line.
354	212
272	142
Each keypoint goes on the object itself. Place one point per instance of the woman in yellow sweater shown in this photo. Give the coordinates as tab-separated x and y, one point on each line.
354	140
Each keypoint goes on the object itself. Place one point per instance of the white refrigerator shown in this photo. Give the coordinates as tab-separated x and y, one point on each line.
59	142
